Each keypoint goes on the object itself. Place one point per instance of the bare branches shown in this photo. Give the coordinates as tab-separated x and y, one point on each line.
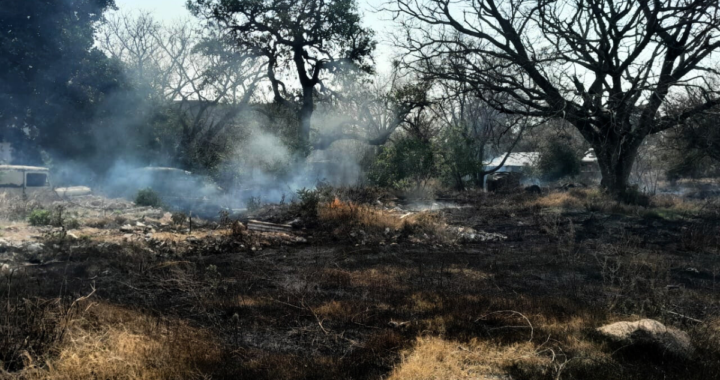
606	67
624	51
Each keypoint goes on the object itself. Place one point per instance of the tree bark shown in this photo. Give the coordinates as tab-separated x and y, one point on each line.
305	116
616	157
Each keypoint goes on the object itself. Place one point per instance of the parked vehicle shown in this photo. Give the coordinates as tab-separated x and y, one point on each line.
34	181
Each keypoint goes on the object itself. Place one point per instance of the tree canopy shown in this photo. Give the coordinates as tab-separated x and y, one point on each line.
52	81
313	38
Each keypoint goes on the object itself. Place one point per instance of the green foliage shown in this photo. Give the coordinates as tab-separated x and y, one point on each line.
460	156
148	197
692	150
40	217
308	203
334	26
409	161
58	217
52	79
558	160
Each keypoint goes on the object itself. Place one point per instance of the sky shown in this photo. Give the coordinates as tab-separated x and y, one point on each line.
172	10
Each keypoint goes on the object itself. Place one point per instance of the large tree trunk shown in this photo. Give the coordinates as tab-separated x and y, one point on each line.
616	157
305	116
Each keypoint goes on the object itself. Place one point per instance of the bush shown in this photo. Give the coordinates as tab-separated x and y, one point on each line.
254	204
56	218
459	155
40	217
148	197
408	162
558	160
633	196
309	200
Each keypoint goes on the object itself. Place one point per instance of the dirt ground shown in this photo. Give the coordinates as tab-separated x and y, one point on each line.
478	286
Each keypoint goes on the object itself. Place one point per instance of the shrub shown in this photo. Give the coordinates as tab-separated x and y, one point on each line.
633	196
148	197
254	204
309	200
179	218
58	217
408	162
558	160
40	217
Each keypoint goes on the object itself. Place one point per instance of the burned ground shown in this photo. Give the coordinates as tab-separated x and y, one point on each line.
366	295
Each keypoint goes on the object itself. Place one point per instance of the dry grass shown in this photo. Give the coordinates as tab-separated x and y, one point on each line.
351	214
110	342
664	206
434	358
377	224
564	200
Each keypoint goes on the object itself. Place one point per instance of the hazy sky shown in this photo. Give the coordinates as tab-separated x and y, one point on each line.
170	10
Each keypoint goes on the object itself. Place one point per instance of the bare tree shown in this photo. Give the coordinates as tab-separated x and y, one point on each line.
205	79
606	67
313	38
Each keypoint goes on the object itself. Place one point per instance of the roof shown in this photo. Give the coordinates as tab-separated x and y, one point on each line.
515	159
21	167
589	156
163	169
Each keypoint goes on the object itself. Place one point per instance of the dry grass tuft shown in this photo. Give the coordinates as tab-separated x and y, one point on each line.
378	224
349	213
115	343
437	358
557	200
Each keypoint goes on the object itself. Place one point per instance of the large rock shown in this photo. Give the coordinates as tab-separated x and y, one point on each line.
649	331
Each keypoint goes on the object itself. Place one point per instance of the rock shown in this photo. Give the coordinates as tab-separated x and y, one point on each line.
649	331
469	235
141	225
34	247
71	236
126	228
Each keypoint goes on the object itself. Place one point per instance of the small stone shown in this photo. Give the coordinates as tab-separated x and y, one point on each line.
126	228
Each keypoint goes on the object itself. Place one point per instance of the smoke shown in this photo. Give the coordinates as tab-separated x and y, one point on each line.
270	171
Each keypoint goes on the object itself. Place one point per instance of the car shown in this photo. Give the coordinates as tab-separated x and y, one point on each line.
34	181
